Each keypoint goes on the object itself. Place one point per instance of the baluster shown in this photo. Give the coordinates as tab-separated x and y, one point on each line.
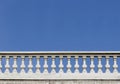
92	64
84	65
22	64
107	65
115	66
38	64
30	64
7	66
0	64
61	64
68	65
76	64
53	66
15	64
99	64
45	64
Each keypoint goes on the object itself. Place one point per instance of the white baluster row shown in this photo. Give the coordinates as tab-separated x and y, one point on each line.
61	65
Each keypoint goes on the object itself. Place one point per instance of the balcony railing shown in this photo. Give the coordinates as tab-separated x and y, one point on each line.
60	65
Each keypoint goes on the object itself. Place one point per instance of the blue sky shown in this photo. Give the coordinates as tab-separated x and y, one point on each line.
70	25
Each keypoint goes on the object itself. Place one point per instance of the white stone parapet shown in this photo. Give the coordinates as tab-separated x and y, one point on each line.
53	74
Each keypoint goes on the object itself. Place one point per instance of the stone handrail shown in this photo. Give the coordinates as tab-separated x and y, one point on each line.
53	74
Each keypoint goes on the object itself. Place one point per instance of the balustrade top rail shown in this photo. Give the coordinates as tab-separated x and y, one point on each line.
60	53
57	65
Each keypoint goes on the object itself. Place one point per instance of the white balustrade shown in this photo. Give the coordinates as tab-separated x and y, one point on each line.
76	74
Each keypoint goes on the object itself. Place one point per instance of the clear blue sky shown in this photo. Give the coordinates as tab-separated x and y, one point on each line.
59	25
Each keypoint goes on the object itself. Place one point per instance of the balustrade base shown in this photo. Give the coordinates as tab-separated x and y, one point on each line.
59	82
58	76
